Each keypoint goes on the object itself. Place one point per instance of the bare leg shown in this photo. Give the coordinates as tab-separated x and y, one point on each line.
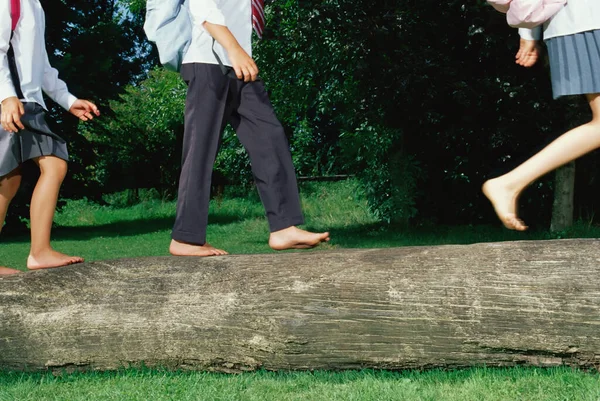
43	204
178	248
504	191
9	185
295	238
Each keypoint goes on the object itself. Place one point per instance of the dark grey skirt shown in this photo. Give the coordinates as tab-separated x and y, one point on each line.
34	141
575	63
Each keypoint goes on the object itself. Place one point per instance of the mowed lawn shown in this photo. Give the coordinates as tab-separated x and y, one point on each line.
516	384
238	225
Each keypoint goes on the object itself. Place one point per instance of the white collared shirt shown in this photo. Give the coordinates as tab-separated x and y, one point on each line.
234	14
577	16
35	73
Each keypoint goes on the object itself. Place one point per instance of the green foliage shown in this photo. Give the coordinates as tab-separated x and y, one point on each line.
139	146
388	176
449	106
232	165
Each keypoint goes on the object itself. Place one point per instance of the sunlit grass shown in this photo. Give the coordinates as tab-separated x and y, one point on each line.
464	385
239	226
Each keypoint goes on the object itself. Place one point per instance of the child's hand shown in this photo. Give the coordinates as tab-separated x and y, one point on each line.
244	66
84	110
12	110
528	53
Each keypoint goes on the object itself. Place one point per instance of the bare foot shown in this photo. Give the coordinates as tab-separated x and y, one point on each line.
505	204
182	249
50	259
295	238
5	271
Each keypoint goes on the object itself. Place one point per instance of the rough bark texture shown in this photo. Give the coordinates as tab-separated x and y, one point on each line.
499	304
564	193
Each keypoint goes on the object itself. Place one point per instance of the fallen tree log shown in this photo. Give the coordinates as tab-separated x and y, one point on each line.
496	304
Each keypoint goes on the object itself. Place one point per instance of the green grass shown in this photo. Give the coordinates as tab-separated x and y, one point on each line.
238	225
143	385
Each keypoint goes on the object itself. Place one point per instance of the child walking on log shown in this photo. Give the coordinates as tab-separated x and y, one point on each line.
573	40
224	87
25	72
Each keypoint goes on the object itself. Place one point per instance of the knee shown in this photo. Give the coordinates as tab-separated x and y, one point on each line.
9	186
54	168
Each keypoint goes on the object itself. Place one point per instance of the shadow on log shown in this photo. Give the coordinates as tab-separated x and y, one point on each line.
498	304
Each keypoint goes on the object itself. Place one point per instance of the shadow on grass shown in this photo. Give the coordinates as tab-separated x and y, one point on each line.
125	228
375	235
383	236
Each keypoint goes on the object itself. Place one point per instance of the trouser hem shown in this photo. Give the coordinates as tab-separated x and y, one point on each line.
281	224
189	238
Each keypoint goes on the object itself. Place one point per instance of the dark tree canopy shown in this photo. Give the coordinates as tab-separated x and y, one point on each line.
419	99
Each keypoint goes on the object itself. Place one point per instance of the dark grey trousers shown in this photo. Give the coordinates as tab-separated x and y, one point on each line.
213	100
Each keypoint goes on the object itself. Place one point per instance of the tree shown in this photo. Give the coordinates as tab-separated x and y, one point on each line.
564	188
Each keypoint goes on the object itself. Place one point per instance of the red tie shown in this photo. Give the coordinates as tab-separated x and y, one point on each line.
258	16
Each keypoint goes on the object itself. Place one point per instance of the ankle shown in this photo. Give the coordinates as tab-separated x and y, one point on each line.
508	183
284	231
39	252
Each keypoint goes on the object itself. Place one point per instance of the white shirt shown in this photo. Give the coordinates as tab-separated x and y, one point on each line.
234	14
29	45
577	16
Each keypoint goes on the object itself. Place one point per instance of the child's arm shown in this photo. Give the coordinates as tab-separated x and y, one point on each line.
57	90
529	49
207	15
55	87
12	108
244	66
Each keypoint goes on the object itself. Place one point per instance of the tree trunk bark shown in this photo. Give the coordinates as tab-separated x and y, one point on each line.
495	304
564	191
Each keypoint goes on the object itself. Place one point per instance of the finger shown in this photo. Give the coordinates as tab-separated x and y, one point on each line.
89	116
523	58
238	72
18	122
254	73
15	118
89	106
247	74
11	122
11	127
21	108
94	109
83	117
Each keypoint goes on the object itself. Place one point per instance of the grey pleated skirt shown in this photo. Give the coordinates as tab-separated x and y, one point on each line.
575	63
34	141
